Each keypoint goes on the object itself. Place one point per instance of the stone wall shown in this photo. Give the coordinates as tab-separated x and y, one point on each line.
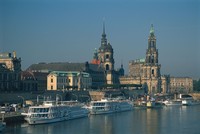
196	96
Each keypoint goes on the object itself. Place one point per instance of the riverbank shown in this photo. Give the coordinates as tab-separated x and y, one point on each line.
11	117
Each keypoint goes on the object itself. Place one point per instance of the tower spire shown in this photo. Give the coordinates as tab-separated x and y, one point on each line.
152	30
104	29
103	39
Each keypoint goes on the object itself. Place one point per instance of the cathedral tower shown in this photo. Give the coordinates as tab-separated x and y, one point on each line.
105	56
152	52
105	53
151	67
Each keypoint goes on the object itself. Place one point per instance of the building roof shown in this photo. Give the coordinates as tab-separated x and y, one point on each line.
27	75
138	61
62	66
5	55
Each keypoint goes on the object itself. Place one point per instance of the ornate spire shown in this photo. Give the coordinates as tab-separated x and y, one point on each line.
104	27
103	39
152	30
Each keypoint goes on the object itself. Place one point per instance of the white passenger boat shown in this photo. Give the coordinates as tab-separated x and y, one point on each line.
110	105
51	112
187	100
173	102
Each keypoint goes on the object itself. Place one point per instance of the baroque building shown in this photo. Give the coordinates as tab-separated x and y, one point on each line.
10	69
61	80
42	70
147	71
28	81
181	84
104	57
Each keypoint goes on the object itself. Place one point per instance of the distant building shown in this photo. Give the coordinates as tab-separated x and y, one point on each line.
181	84
42	70
101	68
10	69
60	80
28	81
105	59
147	71
41	78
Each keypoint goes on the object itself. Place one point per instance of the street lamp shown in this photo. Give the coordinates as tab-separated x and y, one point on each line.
22	101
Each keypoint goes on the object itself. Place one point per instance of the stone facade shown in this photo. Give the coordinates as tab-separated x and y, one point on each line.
104	57
10	69
28	81
181	84
147	71
41	71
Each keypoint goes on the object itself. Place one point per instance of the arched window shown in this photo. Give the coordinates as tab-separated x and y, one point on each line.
152	59
107	56
107	67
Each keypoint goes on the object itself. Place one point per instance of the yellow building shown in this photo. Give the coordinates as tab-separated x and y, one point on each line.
61	80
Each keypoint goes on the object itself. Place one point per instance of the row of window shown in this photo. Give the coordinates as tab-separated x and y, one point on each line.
69	80
8	85
180	84
8	76
62	80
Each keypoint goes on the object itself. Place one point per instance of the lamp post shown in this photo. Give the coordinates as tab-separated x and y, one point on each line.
22	101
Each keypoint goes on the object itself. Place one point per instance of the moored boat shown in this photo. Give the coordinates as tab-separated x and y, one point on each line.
187	100
52	111
154	104
110	105
173	102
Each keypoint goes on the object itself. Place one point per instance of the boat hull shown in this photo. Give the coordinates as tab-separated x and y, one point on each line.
34	121
95	112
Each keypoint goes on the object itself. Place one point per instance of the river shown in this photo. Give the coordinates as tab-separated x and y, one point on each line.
166	120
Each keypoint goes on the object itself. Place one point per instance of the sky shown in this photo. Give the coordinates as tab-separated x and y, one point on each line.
70	30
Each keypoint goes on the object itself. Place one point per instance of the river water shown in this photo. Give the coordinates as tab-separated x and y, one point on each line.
166	120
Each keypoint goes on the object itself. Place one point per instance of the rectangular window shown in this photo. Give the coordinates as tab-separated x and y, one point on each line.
51	87
51	80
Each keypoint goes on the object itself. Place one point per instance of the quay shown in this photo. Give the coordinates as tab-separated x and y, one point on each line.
82	96
12	117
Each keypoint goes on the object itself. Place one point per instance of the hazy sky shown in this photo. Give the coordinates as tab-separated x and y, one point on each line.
70	30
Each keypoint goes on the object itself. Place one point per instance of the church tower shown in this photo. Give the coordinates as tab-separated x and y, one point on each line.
105	55
151	68
152	52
